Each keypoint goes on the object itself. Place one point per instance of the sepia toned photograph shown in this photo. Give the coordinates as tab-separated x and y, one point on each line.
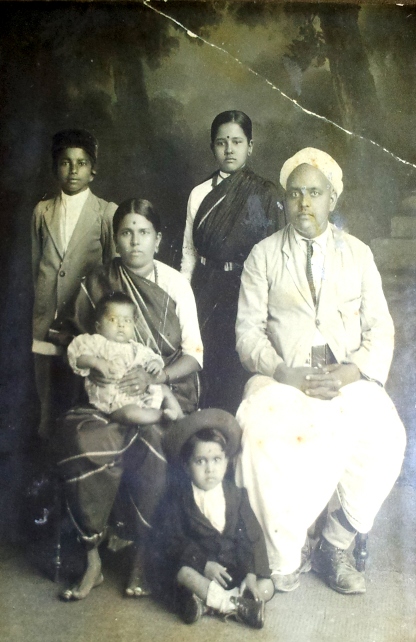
208	321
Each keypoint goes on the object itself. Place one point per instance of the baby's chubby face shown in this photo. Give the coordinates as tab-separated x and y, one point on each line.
117	323
207	465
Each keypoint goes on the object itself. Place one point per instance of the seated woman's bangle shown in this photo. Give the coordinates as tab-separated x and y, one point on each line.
167	380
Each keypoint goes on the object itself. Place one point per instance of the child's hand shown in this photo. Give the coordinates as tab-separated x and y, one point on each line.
217	573
250	584
154	368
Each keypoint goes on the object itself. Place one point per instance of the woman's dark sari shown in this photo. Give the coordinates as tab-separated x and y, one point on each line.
95	454
236	214
239	212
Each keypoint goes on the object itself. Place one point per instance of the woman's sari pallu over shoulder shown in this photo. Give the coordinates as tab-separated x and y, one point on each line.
236	214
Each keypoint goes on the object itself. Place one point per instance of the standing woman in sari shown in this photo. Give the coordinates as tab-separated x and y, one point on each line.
94	453
227	215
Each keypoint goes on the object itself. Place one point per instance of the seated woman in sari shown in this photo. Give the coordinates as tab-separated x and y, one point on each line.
94	453
227	214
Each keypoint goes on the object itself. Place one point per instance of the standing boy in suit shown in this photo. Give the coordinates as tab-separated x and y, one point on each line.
71	234
313	323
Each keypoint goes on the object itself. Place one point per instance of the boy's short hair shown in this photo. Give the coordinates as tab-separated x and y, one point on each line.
80	138
114	297
206	435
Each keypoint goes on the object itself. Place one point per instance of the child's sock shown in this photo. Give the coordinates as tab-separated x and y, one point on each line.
220	599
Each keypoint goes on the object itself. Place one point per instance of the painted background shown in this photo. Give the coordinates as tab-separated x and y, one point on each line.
149	89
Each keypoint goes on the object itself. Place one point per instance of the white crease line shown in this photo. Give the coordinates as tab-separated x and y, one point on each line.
191	34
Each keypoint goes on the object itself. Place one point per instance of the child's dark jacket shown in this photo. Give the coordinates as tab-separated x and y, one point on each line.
189	539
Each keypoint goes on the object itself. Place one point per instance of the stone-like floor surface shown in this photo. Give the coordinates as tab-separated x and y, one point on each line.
30	610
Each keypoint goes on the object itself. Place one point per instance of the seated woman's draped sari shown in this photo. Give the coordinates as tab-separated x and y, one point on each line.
96	455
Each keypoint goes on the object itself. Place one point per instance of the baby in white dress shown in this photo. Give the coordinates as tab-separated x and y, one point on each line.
111	353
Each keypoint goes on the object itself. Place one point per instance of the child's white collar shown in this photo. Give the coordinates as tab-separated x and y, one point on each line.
211	503
76	199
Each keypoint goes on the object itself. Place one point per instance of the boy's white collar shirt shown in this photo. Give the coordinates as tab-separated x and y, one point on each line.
71	207
211	503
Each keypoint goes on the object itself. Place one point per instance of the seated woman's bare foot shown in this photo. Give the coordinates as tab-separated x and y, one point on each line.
171	414
170	405
137	585
91	578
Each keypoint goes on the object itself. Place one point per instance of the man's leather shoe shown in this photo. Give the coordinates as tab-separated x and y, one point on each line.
335	566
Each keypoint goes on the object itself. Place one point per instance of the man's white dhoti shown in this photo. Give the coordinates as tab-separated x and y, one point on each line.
296	451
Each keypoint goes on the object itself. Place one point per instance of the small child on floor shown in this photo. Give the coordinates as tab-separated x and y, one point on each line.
112	352
213	544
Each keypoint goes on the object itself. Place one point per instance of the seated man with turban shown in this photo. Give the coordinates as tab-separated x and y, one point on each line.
318	426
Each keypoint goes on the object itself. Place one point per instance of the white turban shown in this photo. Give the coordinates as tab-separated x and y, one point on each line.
321	160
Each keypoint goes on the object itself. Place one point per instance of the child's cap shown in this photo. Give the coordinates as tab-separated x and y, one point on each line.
75	138
179	433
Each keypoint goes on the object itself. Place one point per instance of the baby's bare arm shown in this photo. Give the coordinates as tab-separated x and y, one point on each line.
85	361
96	363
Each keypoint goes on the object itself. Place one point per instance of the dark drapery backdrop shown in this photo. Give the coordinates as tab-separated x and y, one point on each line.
149	89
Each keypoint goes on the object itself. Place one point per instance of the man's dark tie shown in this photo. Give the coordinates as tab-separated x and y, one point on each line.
309	275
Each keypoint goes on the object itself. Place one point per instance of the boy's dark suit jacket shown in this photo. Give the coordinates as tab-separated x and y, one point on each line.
189	539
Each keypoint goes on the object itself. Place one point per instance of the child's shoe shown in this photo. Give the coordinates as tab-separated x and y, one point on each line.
189	606
249	612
